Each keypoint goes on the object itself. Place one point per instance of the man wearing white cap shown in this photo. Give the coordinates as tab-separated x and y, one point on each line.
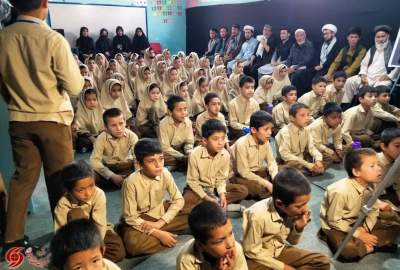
374	68
328	51
248	47
299	60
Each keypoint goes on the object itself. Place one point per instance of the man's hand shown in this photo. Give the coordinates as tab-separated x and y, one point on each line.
368	239
328	78
208	198
74	127
339	154
364	79
222	200
117	179
146	226
92	139
318	68
227	262
166	238
384	206
301	222
318	167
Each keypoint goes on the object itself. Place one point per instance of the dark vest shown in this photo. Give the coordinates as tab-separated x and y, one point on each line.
343	61
386	55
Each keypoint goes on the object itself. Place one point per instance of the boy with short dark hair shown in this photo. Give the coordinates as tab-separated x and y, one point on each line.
38	73
112	158
208	171
76	244
214	245
342	205
295	145
334	91
327	134
390	146
213	104
249	155
280	112
358	119
176	134
385	115
242	107
84	200
270	224
315	99
147	221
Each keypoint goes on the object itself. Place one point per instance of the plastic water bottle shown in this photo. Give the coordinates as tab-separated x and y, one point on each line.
356	144
269	108
246	130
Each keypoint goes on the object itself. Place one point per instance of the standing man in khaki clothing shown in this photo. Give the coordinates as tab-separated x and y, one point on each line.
37	75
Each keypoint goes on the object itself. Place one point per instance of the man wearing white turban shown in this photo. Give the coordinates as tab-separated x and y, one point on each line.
247	49
327	51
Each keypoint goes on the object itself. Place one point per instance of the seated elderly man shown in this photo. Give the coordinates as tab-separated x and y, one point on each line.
248	47
374	68
299	62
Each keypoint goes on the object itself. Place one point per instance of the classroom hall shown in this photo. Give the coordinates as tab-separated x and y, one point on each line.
110	111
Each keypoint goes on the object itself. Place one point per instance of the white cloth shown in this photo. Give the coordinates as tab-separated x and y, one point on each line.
260	48
330	27
248	27
325	50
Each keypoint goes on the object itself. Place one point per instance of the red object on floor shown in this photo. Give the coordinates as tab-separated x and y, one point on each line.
156	47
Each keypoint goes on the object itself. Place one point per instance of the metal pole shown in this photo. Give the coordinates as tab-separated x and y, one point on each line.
388	179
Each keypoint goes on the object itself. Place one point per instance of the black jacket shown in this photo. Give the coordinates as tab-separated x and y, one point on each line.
301	55
329	58
266	56
121	44
103	45
85	45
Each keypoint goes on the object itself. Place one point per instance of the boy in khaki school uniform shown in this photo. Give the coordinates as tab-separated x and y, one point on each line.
249	155
176	134
78	245
327	134
37	75
280	112
295	145
213	104
358	119
335	90
270	224
242	107
148	223
385	114
112	158
342	205
84	200
214	245
208	171
315	99
390	146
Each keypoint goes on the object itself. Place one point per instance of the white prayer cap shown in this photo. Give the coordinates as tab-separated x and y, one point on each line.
299	30
330	27
248	27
